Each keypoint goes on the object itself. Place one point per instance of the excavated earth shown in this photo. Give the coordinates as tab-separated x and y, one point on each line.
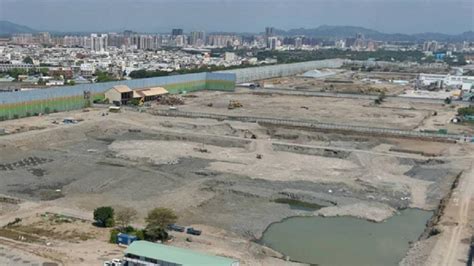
240	177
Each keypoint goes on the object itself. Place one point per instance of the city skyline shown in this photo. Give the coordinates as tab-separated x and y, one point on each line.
240	16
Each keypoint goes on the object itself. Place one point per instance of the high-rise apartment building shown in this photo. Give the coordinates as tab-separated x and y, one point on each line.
176	32
81	41
196	38
272	43
224	40
269	31
44	38
99	42
298	43
23	38
431	46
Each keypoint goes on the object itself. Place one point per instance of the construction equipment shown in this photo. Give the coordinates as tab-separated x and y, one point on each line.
234	104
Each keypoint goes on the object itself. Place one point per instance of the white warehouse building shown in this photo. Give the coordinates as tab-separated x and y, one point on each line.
447	80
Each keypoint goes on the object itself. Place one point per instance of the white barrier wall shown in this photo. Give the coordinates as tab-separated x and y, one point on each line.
274	71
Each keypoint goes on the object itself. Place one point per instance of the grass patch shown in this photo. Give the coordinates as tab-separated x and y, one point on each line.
298	203
49	194
15	235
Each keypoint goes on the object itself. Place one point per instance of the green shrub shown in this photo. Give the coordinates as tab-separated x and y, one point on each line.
113	236
140	234
128	229
134	101
110	222
104	216
466	110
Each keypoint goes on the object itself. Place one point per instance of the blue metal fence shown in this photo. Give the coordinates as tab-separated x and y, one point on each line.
77	90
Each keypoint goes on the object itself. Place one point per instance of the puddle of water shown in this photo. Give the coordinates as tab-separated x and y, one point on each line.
346	240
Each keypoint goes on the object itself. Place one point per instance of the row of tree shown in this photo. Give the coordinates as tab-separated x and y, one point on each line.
157	221
142	73
469	110
15	72
381	55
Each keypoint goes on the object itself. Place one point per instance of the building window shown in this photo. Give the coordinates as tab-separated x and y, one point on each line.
128	255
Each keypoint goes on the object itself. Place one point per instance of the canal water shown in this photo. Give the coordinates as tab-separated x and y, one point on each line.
346	240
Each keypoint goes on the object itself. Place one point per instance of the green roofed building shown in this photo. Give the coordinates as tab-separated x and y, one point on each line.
146	253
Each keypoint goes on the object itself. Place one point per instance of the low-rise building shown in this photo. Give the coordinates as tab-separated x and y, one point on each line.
119	94
152	254
122	94
87	70
149	94
65	72
8	67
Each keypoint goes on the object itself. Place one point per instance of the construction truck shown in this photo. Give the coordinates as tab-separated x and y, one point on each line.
234	104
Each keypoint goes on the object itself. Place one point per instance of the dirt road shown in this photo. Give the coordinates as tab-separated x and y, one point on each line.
456	224
462	205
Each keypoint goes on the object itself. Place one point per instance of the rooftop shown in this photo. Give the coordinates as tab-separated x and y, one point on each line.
176	255
149	92
121	88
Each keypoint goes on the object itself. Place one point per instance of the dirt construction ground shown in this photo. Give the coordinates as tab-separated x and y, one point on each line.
231	179
345	81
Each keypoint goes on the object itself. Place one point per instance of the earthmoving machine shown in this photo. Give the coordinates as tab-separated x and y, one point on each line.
234	104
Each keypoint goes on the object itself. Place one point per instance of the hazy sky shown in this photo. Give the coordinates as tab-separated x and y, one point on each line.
404	16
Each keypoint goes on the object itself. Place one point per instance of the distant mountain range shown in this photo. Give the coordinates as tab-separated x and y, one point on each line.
8	28
334	32
322	32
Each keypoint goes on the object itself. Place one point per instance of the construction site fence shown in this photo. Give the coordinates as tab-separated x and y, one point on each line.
282	70
25	103
318	126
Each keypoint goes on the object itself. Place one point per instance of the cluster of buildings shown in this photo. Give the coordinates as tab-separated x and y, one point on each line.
131	40
77	59
441	81
57	65
270	40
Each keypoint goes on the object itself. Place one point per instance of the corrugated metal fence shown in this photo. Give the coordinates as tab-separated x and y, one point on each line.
273	71
26	103
65	91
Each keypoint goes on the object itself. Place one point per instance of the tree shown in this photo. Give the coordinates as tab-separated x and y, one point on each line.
158	219
16	72
466	111
161	217
124	216
380	99
44	71
104	216
28	60
155	233
41	81
103	76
